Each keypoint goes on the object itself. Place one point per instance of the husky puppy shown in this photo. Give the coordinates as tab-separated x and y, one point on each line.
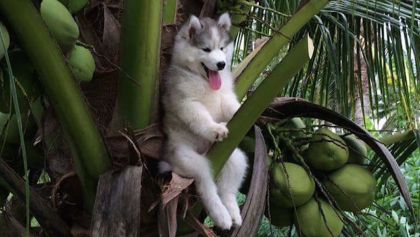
198	100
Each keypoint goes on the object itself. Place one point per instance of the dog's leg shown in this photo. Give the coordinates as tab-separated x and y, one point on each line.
230	105
187	162
229	182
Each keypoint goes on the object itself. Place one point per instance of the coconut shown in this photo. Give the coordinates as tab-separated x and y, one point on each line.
294	123
27	86
74	6
357	150
352	187
4	40
291	185
279	216
293	127
60	23
81	63
327	151
314	223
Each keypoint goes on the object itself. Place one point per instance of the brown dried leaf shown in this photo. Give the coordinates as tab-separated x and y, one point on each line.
200	227
150	192
67	198
190	7
167	220
78	231
89	36
208	8
151	148
59	163
111	34
174	188
148	141
100	28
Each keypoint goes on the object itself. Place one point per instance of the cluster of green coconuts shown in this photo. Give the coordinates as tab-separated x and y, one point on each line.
57	15
337	162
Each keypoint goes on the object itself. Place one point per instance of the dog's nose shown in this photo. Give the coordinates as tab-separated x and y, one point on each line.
221	65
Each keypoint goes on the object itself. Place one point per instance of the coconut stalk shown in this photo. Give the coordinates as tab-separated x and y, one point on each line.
250	72
170	8
398	137
91	157
253	107
140	53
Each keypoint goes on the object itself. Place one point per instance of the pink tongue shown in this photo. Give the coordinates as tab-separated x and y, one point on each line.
215	80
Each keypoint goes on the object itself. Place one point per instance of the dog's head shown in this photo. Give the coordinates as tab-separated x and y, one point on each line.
204	45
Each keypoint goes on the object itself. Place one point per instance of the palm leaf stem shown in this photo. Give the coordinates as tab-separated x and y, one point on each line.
170	8
140	47
271	49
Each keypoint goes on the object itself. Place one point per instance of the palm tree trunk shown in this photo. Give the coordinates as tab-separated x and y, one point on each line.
362	104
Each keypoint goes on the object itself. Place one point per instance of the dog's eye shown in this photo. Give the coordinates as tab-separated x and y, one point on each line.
222	48
206	50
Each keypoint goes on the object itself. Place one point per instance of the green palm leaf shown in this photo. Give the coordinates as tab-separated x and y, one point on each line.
366	56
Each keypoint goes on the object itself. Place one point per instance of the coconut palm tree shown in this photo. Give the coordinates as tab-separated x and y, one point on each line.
349	60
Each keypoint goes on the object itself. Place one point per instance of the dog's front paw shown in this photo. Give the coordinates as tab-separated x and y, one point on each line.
223	220
219	132
237	219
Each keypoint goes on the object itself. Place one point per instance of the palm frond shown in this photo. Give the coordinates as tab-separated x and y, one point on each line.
401	145
366	56
368	59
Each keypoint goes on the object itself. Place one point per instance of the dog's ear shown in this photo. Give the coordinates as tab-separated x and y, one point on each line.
229	53
224	21
194	26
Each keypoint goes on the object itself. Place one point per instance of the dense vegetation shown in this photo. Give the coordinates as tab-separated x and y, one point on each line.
79	99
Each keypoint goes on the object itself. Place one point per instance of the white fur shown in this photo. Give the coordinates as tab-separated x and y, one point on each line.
195	117
213	58
194	23
224	21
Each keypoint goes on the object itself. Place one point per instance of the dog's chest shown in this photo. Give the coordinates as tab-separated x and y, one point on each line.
212	101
